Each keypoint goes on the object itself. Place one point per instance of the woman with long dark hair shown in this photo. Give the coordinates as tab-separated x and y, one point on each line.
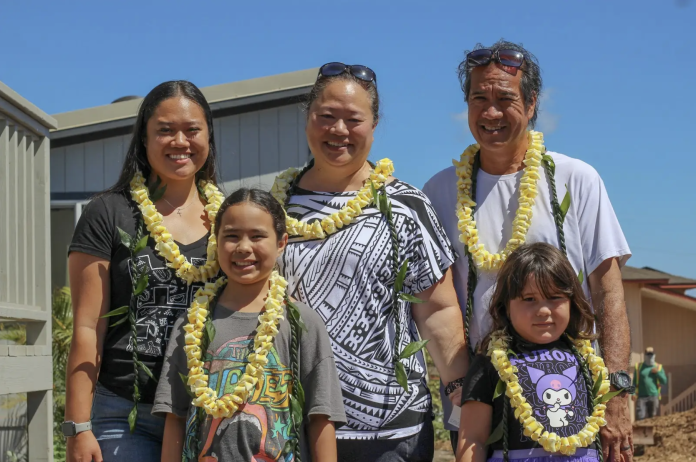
139	252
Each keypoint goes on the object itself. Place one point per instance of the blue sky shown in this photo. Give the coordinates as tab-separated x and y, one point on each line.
618	77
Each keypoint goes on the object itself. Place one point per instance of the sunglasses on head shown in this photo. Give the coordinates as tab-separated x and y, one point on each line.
511	60
358	71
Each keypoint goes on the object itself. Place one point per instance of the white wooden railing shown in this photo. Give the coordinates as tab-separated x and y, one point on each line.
25	263
685	401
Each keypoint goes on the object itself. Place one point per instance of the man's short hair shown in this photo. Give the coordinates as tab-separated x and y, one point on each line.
531	82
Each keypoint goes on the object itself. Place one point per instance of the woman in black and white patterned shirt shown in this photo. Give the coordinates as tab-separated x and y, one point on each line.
344	267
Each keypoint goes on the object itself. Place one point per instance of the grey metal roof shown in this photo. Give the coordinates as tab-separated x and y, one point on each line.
631	273
253	90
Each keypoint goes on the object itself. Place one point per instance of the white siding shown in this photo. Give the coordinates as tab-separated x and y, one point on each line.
252	148
25	268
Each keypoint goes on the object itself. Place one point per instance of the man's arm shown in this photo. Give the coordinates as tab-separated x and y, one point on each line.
606	288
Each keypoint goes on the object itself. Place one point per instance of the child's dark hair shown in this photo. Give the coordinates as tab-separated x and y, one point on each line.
553	275
261	199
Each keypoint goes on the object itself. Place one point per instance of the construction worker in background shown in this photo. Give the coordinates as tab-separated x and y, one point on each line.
648	378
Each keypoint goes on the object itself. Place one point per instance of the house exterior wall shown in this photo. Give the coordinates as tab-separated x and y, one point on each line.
25	295
670	329
252	148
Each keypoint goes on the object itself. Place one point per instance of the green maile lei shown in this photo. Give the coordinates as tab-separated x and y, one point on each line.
559	212
382	202
139	279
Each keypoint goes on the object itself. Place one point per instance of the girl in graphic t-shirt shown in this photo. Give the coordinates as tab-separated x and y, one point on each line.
529	393
261	382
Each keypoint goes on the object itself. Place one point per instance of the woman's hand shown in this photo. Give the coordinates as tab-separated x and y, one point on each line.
83	447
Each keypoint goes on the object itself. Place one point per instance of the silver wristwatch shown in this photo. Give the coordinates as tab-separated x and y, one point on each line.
71	428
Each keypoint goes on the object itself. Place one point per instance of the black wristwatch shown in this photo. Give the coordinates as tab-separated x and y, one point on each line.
620	380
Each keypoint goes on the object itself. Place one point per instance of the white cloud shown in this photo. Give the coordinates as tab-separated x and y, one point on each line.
462	117
547	121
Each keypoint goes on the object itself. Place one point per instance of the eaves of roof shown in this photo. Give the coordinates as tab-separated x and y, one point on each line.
104	117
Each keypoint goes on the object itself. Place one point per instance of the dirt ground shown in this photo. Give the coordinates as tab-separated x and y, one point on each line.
443	452
675	438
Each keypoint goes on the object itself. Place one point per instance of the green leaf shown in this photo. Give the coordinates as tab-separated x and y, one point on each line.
133	417
597	385
410	298
496	435
290	447
210	329
146	370
375	196
413	348
385	206
153	187
141	284
512	353
158	194
581	277
401	276
499	389
125	238
294	312
298	392
551	164
401	376
120	310
296	411
610	395
184	378
119	322
565	205
142	243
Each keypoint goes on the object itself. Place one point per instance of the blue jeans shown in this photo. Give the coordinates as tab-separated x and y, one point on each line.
110	427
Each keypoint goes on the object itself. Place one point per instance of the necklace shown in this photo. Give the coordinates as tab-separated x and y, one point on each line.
177	209
498	348
523	217
198	316
320	229
165	245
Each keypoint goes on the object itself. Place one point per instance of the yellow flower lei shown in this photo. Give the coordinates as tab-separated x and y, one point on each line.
329	225
165	245
205	397
551	442
523	218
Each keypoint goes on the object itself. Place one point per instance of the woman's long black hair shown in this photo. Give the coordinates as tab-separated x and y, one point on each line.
136	157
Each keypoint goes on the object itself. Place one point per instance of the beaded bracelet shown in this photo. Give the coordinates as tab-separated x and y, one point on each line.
453	385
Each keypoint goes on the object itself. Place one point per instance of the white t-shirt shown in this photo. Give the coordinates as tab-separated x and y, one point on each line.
592	231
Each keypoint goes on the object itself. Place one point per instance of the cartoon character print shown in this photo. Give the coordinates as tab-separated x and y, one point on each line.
263	423
554	386
557	392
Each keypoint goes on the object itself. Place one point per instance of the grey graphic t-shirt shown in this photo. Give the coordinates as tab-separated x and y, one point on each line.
164	300
261	427
552	383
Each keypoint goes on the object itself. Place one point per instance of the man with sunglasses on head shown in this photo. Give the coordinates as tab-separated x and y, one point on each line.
508	190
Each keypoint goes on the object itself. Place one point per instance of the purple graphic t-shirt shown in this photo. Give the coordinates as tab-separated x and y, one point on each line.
552	383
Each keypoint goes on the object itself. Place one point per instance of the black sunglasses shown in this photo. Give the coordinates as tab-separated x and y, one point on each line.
358	71
508	58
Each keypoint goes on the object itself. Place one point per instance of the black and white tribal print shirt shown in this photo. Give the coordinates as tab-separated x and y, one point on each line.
348	279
